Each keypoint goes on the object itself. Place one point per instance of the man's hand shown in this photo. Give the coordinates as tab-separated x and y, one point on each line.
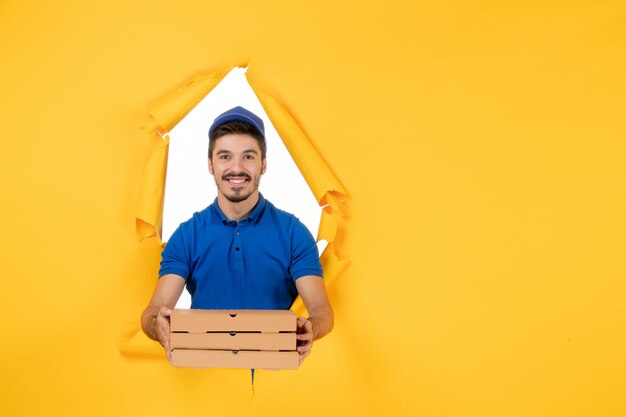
321	318
304	337
155	320
161	329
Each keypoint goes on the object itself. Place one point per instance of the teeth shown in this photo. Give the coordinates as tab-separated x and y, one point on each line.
236	181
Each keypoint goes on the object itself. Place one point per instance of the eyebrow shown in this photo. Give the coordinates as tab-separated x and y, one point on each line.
223	151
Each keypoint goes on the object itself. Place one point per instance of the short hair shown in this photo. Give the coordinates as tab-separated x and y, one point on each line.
237	127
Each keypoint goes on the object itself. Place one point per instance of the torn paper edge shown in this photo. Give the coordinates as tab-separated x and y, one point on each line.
165	113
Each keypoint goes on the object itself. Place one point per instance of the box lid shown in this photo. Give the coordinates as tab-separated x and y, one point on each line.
203	321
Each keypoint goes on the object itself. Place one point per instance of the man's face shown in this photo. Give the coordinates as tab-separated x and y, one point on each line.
237	166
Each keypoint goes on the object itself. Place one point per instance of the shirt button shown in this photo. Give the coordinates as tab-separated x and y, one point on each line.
237	249
237	233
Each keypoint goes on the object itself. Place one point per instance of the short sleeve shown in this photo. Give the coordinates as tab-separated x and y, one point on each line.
175	257
304	256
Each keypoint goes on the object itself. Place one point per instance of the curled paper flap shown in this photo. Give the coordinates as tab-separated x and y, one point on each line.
150	207
170	109
315	171
165	113
328	226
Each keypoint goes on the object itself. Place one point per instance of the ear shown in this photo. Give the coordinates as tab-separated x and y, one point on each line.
210	167
264	167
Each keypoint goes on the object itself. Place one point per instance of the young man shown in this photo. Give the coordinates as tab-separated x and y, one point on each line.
241	252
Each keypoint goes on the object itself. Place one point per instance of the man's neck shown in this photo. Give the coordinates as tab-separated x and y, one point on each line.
237	211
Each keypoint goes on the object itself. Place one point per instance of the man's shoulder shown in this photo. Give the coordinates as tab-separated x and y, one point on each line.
198	218
277	211
282	216
286	221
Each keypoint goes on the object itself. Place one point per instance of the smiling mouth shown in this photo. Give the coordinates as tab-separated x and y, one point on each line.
236	180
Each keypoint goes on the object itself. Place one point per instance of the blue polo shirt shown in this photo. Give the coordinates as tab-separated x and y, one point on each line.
250	264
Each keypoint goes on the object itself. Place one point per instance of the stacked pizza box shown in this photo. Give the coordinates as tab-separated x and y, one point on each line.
234	339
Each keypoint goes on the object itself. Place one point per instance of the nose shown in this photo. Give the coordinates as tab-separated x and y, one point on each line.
237	164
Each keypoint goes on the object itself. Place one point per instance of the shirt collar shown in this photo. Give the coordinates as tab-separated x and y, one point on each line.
253	216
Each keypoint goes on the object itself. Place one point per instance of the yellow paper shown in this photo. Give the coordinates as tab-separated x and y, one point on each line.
483	148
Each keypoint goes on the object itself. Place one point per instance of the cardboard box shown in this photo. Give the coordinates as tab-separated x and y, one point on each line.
196	358
202	321
234	339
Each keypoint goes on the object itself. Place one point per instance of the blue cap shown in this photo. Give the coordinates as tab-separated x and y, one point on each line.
241	115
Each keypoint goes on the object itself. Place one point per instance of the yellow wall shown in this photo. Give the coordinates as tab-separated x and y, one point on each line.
483	147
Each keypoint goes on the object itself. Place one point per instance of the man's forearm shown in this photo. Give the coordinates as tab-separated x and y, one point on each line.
322	322
166	294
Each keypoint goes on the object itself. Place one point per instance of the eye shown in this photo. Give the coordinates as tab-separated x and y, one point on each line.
224	157
248	157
